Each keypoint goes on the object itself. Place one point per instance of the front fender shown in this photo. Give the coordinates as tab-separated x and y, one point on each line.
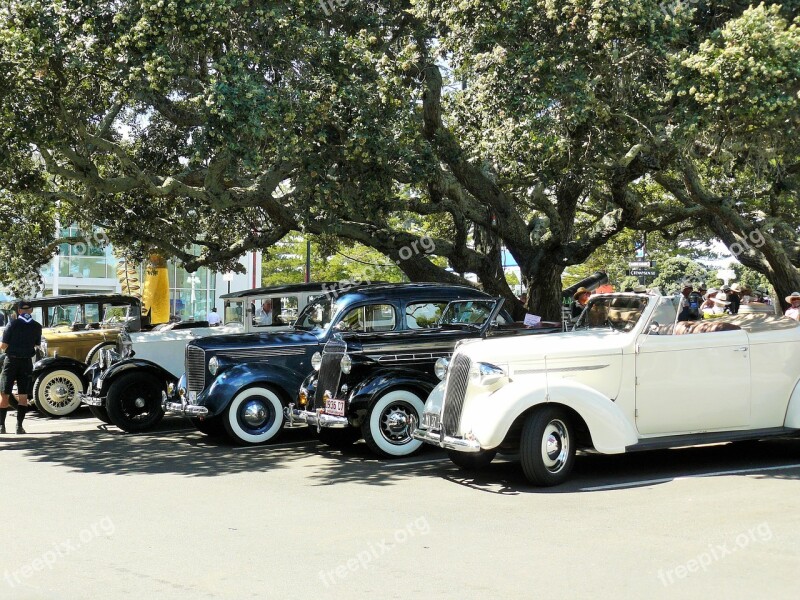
59	362
138	365
377	384
220	393
490	416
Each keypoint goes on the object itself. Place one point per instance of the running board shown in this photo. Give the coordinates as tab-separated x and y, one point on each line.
715	437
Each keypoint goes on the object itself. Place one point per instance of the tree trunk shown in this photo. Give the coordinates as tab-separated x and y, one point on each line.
544	293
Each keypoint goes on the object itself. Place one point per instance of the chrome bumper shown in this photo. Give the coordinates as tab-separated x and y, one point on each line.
314	418
182	408
92	400
437	438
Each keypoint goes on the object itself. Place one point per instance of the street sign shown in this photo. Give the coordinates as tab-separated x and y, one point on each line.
636	264
642	272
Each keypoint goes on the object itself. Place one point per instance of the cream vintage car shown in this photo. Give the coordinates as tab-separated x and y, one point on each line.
627	378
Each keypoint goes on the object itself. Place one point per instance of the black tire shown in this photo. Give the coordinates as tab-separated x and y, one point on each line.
386	430
100	412
547	446
472	461
339	438
134	402
56	392
212	426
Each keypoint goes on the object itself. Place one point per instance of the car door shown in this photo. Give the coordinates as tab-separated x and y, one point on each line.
693	382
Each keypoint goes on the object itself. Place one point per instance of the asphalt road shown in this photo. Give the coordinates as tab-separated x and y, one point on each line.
91	512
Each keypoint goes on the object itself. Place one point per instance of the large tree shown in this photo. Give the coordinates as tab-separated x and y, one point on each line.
543	126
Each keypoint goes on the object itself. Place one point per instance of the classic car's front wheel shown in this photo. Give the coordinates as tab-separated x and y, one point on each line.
254	416
472	461
57	392
387	430
134	402
547	446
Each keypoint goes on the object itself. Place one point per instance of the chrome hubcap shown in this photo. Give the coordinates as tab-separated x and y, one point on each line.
254	414
60	392
139	402
555	446
394	424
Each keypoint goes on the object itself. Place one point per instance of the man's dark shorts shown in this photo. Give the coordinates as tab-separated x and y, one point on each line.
16	369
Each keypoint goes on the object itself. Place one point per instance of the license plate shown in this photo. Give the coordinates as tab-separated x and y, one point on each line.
432	421
334	407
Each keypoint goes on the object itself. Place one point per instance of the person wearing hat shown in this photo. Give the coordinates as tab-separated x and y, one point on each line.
708	300
690	304
20	340
735	297
793	300
640	289
581	297
719	306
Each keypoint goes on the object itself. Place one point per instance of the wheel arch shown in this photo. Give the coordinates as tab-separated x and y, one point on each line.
602	424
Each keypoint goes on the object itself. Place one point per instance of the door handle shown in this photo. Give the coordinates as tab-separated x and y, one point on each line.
742	349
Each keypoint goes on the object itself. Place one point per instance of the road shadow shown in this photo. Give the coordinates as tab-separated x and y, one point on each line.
175	447
594	472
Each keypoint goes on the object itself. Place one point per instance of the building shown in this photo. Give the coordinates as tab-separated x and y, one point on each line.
91	266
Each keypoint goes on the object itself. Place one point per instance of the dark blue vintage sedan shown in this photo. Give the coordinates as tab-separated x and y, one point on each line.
241	384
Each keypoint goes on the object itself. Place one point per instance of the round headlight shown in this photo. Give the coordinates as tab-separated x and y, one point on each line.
440	368
346	364
43	346
213	365
316	361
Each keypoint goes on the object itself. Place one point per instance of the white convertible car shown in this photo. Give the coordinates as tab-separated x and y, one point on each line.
629	377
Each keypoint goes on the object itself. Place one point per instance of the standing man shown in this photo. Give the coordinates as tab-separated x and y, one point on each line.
213	318
20	340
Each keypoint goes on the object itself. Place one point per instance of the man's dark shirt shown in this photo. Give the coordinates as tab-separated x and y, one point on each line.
22	336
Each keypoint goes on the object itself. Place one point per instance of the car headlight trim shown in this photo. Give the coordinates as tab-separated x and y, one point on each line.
213	365
486	374
346	364
316	361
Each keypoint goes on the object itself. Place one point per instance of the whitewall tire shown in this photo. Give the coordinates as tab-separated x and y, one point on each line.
255	416
387	428
57	393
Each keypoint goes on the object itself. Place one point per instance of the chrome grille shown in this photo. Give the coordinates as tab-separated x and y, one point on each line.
195	369
330	371
454	392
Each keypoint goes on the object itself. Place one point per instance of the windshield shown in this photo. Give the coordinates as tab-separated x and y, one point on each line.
467	313
316	315
620	313
117	314
234	311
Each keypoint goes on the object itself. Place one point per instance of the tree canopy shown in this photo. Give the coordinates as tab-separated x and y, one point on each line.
547	127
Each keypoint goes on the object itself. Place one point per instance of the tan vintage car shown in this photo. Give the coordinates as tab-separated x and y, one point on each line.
78	328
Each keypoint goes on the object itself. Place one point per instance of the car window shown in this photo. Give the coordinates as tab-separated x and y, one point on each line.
92	313
367	319
274	310
424	315
664	315
234	311
468	312
316	314
620	313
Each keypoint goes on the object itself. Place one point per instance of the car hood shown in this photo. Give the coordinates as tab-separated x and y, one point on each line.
585	343
251	340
